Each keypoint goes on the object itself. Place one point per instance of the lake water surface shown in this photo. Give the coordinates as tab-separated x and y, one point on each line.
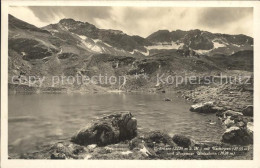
39	119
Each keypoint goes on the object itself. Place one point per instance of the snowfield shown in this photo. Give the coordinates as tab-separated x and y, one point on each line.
165	46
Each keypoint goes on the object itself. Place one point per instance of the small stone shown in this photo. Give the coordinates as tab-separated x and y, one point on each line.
167	99
240	124
228	122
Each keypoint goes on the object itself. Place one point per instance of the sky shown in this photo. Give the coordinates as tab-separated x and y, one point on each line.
143	21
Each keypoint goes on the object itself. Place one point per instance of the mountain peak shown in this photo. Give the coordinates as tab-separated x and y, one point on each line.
68	21
160	35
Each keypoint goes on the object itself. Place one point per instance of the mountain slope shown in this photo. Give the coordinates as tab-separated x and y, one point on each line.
202	42
71	48
115	38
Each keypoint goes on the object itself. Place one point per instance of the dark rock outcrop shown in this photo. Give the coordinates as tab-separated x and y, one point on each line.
108	130
147	145
181	140
237	136
158	137
152	144
248	111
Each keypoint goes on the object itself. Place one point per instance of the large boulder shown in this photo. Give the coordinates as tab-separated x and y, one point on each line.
107	130
158	137
248	111
181	140
237	136
152	144
63	151
207	107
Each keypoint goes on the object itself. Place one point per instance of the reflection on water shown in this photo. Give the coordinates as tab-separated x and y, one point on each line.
38	119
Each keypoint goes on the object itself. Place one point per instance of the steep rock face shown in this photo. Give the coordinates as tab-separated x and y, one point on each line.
160	36
94	40
197	41
35	51
238	39
166	36
115	38
77	48
81	28
203	42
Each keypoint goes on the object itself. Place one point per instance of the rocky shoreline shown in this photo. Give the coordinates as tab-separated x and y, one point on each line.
233	105
116	136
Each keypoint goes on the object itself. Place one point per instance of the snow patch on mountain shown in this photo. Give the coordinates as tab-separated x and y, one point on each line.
236	45
165	46
97	49
100	41
144	53
97	40
132	52
217	44
82	37
92	46
97	45
89	43
202	51
53	30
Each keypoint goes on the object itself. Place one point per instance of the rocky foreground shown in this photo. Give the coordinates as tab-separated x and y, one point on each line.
233	105
116	136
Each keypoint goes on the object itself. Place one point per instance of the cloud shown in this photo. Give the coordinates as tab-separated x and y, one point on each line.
46	13
217	17
27	15
145	20
228	20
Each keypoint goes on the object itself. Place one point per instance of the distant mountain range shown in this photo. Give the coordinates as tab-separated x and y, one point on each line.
71	46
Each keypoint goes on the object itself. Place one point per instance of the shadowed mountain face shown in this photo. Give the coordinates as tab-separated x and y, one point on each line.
72	47
202	42
89	32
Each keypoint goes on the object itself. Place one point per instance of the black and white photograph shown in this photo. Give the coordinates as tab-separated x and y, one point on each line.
130	83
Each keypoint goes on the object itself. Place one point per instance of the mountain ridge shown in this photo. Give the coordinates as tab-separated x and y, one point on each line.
201	42
73	48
